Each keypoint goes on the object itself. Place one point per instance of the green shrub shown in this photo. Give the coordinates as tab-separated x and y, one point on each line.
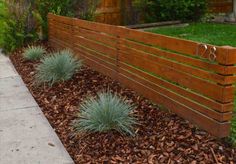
104	113
87	9
144	11
83	9
43	7
233	129
57	67
34	52
165	10
2	11
25	21
16	25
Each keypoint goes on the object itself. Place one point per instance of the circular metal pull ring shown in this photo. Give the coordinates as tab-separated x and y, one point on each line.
199	47
212	55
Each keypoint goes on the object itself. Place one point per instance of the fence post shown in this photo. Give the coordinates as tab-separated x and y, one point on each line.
50	21
227	59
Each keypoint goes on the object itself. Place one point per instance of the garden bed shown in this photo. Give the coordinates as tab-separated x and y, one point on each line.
161	137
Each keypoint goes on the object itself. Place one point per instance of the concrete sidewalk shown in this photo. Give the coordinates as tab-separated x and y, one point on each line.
26	137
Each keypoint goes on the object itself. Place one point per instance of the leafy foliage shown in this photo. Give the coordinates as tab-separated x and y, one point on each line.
163	10
43	7
104	113
57	67
233	129
144	10
84	9
2	11
25	21
16	26
34	52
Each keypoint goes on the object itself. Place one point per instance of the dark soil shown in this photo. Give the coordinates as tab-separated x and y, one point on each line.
161	137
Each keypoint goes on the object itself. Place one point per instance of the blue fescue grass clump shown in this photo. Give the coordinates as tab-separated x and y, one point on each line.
104	113
58	67
34	52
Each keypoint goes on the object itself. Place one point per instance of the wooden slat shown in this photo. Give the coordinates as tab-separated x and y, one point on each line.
55	26
182	67
54	43
59	24
230	55
63	37
178	45
98	60
109	62
95	46
96	65
101	28
109	40
212	126
213	91
60	43
61	19
221	117
221	69
182	91
98	27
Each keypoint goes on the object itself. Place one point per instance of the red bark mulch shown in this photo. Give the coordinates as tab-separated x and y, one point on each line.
162	137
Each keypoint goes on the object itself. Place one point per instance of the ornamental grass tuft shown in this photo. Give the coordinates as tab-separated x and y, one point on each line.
34	52
58	67
104	113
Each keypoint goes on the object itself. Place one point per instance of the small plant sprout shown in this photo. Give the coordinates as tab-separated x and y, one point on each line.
34	52
104	113
60	66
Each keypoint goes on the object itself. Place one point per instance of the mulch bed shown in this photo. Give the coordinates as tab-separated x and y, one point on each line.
162	137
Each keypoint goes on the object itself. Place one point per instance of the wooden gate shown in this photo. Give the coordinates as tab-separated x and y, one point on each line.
109	12
221	6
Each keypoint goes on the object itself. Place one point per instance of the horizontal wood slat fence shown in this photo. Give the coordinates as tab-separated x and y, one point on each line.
193	80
